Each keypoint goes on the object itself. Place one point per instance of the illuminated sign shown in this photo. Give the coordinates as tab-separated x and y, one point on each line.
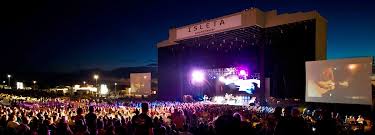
211	26
103	89
20	85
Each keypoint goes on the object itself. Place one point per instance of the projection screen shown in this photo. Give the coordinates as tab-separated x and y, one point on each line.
344	81
140	83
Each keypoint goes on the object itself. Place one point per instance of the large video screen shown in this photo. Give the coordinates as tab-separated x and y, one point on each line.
235	79
140	83
339	81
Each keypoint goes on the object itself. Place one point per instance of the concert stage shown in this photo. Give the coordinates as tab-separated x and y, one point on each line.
250	52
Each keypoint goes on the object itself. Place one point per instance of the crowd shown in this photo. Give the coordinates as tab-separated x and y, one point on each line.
63	116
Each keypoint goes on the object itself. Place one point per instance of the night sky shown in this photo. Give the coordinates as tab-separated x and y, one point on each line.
64	36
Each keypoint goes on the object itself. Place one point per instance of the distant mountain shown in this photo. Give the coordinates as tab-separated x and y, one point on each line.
152	65
51	79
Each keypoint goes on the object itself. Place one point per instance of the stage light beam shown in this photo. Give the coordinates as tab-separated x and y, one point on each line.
197	76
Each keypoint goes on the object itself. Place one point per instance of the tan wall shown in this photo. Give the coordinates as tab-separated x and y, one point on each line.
172	34
320	39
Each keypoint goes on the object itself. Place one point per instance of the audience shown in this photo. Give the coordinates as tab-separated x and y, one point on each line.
64	116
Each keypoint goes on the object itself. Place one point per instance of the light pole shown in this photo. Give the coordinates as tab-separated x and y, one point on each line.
84	83
115	90
34	82
96	77
9	76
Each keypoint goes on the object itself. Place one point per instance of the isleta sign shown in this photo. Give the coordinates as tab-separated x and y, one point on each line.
211	26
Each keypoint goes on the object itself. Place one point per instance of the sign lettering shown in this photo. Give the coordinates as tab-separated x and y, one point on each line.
208	27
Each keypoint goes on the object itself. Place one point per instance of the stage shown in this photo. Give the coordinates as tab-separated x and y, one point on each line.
271	53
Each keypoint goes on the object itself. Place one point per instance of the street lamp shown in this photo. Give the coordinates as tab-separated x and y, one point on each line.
84	83
34	82
115	90
9	76
96	77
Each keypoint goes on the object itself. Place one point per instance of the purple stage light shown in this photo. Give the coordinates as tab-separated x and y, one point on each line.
243	73
197	76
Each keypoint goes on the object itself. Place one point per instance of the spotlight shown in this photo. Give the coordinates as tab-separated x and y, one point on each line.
197	76
243	73
221	79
